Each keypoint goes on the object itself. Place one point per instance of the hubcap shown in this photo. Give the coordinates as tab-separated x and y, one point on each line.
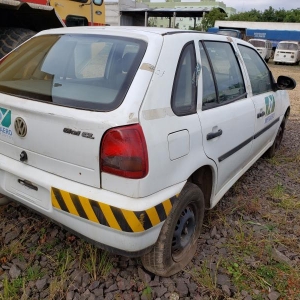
183	233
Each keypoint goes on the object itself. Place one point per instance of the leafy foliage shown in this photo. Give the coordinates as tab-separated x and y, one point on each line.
254	15
209	19
269	15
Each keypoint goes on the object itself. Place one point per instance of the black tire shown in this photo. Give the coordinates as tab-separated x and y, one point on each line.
177	241
277	142
11	37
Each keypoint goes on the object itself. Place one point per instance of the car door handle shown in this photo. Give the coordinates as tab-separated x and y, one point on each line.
212	135
261	114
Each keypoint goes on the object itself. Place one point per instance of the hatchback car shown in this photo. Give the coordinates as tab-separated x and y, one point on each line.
126	135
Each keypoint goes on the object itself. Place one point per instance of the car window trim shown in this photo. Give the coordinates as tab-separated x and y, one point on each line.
239	97
193	107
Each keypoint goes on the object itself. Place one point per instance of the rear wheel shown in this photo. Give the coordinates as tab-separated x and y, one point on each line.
277	142
177	242
11	37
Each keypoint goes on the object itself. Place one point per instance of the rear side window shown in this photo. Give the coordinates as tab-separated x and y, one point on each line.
184	94
222	77
81	71
257	70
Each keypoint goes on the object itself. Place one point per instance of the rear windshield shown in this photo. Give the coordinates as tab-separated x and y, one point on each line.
258	44
287	46
82	71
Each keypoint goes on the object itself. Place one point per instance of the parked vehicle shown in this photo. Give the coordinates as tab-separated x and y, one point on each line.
126	135
287	52
263	47
231	32
272	31
21	20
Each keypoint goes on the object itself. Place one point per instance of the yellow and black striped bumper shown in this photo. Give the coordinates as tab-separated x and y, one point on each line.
111	216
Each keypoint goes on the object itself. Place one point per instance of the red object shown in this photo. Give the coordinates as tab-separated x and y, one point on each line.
124	152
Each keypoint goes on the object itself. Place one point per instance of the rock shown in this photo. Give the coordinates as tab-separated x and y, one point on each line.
280	257
192	287
160	291
109	296
70	295
94	285
213	232
174	296
98	293
41	283
14	272
11	236
154	283
223	280
273	295
21	264
122	284
86	279
144	276
77	276
112	288
225	288
182	289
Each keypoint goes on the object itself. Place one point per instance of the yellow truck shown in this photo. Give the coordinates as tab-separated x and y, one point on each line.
20	20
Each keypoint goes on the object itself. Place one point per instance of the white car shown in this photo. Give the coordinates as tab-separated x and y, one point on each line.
263	47
126	135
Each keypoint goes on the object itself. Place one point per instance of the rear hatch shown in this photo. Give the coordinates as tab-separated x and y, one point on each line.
59	94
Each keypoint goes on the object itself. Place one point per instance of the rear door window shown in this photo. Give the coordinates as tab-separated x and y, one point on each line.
81	71
222	77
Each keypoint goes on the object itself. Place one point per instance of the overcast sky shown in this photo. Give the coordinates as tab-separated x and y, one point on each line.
246	5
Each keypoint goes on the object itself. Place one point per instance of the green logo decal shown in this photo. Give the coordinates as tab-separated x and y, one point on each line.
5	117
270	104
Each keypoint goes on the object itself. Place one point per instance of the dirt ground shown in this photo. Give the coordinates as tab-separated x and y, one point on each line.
249	249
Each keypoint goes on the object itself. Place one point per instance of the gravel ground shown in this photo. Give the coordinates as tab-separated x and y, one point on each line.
39	260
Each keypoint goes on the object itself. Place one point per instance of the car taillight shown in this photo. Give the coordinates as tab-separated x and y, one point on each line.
124	152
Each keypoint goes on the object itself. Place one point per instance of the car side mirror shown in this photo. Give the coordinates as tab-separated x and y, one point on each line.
286	83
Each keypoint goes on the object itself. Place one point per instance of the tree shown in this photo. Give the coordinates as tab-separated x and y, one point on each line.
209	19
292	16
269	15
252	15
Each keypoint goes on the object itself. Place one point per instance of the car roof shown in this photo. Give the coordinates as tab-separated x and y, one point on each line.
146	33
131	31
127	30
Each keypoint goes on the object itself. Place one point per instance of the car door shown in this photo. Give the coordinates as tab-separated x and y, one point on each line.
225	112
266	101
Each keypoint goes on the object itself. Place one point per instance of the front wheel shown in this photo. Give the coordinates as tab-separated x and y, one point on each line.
177	241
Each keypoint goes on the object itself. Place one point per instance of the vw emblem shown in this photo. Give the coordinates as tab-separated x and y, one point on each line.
20	127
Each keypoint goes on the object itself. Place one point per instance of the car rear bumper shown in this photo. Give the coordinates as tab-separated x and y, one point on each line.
125	225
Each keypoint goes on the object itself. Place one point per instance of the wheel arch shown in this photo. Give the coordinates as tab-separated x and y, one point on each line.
204	178
287	113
